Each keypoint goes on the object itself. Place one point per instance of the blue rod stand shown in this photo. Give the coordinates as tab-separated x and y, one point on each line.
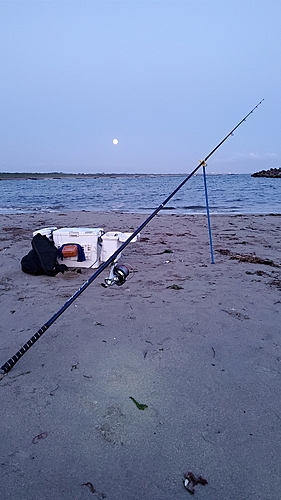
208	215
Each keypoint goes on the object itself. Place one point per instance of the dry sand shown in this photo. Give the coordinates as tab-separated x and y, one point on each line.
204	356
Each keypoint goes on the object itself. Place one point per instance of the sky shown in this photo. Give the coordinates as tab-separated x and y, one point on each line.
168	78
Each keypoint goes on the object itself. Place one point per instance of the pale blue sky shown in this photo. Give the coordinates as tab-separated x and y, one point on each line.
168	78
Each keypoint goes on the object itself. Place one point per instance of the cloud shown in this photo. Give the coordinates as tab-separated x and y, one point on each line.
239	157
246	162
265	156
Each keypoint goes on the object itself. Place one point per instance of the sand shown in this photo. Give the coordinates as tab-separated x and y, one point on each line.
197	343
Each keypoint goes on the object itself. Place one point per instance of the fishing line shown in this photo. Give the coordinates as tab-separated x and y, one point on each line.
14	359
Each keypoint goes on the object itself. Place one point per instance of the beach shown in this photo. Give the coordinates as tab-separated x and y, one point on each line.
177	370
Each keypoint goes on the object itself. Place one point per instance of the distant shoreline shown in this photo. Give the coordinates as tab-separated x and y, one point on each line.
62	175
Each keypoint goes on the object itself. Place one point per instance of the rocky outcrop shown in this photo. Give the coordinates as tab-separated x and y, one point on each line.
272	172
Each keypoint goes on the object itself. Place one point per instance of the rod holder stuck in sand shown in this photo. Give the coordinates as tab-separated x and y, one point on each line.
14	359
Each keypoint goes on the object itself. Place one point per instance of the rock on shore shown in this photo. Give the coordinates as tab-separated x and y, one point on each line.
272	172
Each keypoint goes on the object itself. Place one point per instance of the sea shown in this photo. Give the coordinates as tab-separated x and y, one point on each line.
226	194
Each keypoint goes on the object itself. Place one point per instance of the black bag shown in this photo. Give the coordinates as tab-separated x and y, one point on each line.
42	259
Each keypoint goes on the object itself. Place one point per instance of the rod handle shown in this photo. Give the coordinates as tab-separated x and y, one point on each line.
14	359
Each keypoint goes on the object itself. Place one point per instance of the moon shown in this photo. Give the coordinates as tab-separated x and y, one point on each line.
115	142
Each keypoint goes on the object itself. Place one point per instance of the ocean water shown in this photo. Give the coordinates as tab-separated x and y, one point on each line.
230	194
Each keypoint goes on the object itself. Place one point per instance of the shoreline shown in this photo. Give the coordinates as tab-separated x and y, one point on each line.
65	175
62	175
163	212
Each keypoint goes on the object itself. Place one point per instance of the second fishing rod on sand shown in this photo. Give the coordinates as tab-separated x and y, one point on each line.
118	273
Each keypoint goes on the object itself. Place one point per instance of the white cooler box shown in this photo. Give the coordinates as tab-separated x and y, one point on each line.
87	238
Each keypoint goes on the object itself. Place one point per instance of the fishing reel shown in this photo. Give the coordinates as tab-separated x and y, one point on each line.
117	276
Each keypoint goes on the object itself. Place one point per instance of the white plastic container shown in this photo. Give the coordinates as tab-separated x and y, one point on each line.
110	243
46	231
124	236
87	238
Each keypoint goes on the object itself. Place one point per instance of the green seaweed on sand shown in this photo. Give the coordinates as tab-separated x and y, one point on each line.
140	406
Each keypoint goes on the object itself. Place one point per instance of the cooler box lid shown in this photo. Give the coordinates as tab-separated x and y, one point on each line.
75	232
124	236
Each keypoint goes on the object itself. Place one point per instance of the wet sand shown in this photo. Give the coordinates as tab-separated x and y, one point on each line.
198	344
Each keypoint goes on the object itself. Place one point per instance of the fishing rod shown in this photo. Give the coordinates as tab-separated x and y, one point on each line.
119	273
